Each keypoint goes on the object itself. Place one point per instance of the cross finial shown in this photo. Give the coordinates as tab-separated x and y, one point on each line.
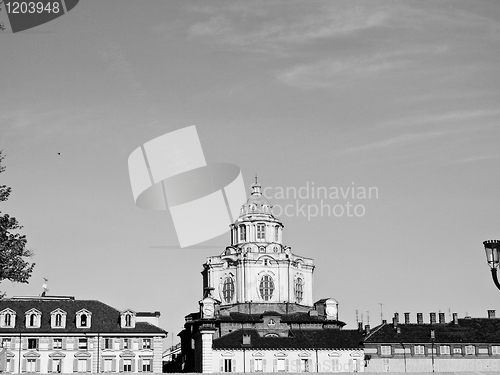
256	179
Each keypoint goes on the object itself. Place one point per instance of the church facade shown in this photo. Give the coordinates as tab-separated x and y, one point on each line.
258	312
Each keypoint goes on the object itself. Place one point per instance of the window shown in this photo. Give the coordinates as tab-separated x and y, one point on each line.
419	350
266	287
82	365
33	344
280	365
266	262
57	344
271	323
457	350
385	350
470	350
127	365
146	343
228	289
299	289
146	365
444	350
9	365
495	350
227	365
261	231
276	234
82	344
56	365
108	343
304	365
7	319
32	320
6	342
128	320
83	320
258	365
31	365
243	236
108	365
126	344
58	322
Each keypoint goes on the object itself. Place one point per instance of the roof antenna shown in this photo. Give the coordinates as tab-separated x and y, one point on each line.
45	288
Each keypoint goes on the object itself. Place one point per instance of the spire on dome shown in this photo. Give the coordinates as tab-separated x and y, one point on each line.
256	187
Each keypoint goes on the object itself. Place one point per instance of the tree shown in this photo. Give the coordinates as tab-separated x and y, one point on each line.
13	251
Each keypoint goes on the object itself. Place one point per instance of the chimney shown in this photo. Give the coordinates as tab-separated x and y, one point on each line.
491	314
420	318
441	318
407	318
360	326
433	317
384	321
455	318
367	329
395	320
246	340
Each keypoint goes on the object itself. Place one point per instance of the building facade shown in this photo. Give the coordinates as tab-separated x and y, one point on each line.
470	344
64	335
258	312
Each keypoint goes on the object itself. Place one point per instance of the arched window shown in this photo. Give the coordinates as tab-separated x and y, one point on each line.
58	320
299	289
128	320
228	289
243	236
83	320
32	320
266	287
7	319
276	233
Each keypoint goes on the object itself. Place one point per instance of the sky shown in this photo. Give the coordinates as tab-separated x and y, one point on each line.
398	96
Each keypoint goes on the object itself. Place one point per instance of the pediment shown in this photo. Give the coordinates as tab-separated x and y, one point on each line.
83	311
127	354
57	355
82	354
228	354
304	354
9	354
258	354
128	311
7	310
58	311
280	354
334	354
357	353
33	311
32	354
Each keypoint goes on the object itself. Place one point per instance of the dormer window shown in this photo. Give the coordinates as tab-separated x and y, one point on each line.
7	318
33	318
58	318
83	319
127	319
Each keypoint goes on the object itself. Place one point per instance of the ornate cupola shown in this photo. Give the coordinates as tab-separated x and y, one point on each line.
256	223
256	270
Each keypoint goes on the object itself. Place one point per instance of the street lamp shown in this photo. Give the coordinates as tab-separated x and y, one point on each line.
492	248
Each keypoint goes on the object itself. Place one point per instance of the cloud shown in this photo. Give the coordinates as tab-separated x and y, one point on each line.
330	72
441	118
278	26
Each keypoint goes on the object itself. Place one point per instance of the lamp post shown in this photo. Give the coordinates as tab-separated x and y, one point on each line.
492	248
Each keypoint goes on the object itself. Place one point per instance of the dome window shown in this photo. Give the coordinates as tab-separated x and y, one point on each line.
261	231
228	289
266	287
